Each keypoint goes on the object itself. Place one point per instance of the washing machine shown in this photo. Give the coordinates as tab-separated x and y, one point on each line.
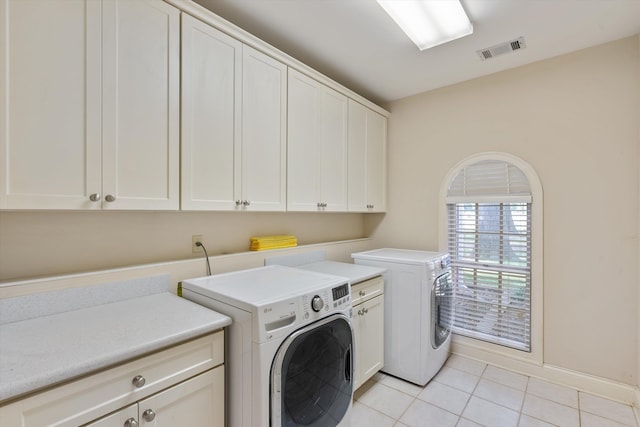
418	310
289	348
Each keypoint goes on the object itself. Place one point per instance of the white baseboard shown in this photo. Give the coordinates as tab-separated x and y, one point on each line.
613	390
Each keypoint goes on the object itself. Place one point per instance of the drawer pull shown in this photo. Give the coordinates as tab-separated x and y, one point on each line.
131	422
138	381
362	293
149	415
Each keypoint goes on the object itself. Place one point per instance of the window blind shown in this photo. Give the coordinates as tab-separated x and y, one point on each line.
489	180
489	241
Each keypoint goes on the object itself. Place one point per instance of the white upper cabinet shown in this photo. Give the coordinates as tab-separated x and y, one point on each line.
367	159
50	101
89	104
141	104
133	105
317	146
264	132
233	123
211	117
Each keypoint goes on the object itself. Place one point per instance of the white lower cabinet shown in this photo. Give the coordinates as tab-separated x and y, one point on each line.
368	328
126	417
182	385
195	402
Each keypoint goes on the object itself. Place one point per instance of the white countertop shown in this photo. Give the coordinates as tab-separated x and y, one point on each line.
355	273
40	352
316	261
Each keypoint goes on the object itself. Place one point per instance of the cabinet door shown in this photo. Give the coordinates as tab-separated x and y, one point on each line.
264	107
303	143
49	104
317	146
141	58
196	402
211	88
333	146
369	338
376	161
367	159
118	419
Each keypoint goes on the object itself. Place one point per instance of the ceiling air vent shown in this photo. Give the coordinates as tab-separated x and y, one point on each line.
502	48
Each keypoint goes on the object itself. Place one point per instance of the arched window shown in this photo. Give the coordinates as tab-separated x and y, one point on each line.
490	201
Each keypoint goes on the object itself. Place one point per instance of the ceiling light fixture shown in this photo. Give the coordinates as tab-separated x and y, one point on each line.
429	23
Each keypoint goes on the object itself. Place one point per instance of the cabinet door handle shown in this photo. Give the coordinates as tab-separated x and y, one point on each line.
95	197
149	415
110	198
238	202
131	422
138	381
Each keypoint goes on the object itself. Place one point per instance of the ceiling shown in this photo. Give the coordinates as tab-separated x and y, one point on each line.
357	44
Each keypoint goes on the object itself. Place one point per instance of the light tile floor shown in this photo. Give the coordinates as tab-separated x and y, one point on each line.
468	393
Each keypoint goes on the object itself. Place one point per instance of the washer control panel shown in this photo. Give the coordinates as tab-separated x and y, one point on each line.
318	304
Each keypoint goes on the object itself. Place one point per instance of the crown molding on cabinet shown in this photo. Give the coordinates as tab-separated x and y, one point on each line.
205	15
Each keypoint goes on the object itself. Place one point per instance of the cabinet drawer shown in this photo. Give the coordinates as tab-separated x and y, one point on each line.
366	290
91	397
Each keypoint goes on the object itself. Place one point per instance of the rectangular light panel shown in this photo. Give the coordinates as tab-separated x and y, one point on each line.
429	23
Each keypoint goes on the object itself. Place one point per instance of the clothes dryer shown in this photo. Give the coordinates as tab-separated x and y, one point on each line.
418	308
289	348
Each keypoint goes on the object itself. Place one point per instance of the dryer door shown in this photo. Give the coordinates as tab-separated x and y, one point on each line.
441	309
311	375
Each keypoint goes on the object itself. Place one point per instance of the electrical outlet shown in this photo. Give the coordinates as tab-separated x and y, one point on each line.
194	239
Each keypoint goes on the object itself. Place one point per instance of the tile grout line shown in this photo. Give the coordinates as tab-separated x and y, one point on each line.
526	392
524	398
579	409
472	393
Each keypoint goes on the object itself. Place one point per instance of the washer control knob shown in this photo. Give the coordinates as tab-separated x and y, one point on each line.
317	303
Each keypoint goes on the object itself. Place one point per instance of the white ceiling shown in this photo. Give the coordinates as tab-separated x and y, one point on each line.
357	44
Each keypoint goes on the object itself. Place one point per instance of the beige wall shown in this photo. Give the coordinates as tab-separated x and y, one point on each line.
574	118
47	243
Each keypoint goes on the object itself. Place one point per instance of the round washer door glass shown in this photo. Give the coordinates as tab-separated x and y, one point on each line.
313	367
441	309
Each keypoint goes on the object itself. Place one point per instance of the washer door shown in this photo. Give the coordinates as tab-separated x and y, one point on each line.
311	375
441	309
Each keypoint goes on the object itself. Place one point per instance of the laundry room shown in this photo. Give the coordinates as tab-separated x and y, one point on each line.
560	114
